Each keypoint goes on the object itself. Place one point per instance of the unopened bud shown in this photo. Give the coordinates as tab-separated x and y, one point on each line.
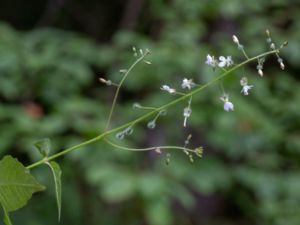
187	141
268	32
260	72
123	71
282	65
199	151
168	158
151	125
272	46
102	80
147	51
235	39
191	158
158	150
284	44
136	106
147	62
163	112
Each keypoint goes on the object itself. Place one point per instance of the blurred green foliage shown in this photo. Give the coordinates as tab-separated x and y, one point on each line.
250	171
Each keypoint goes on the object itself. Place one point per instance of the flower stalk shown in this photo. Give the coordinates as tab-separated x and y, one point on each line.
107	132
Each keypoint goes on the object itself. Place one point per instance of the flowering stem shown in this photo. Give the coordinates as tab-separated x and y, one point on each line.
147	149
145	116
120	85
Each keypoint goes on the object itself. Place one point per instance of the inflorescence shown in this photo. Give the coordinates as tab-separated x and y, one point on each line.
225	63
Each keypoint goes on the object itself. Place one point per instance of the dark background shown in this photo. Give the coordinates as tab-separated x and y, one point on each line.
51	56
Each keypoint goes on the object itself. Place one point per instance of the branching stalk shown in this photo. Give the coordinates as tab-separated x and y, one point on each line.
151	113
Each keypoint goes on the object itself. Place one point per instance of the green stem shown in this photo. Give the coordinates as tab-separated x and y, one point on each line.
106	133
120	85
146	149
245	54
147	107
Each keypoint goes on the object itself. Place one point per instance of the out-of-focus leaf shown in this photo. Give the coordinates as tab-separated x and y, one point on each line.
43	146
56	171
16	184
6	218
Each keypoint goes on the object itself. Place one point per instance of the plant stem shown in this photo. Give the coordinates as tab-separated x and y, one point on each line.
245	54
120	85
106	133
147	149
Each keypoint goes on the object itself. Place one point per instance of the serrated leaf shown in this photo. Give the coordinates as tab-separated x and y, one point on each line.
6	218
56	171
16	184
43	146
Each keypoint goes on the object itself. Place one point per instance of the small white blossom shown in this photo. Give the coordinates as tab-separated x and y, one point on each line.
168	89
187	84
186	114
235	39
225	61
210	60
246	88
228	106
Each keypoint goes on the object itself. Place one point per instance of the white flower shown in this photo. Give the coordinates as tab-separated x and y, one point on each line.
246	88
225	61
186	113
228	106
210	60
168	89
235	39
187	84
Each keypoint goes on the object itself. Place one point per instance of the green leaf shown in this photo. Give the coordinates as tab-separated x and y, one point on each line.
6	218
16	184
43	146
56	171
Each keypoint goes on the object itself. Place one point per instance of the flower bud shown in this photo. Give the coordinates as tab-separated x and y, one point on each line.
168	158
158	150
235	39
136	106
151	125
260	72
284	44
272	46
102	80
